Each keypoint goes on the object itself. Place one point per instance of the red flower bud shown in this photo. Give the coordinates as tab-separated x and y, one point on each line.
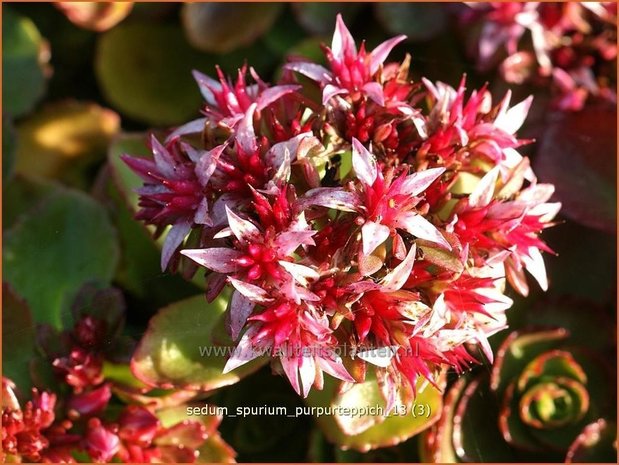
89	332
81	368
138	425
100	442
91	402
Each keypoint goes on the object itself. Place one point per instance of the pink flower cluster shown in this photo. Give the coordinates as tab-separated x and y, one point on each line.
350	207
574	46
37	433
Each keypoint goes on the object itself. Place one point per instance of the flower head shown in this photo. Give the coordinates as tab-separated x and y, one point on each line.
571	46
226	102
30	433
351	72
174	192
386	217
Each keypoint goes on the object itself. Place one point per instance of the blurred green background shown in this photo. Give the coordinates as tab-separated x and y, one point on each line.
78	95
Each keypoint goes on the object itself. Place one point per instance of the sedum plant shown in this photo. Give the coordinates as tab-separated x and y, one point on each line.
548	396
366	224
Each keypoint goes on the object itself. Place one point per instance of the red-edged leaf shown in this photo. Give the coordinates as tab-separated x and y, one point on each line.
169	355
596	443
374	431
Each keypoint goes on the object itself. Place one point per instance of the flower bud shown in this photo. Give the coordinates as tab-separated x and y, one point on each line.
89	332
91	402
100	443
138	425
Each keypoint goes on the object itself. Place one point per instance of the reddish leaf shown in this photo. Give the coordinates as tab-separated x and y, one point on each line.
578	154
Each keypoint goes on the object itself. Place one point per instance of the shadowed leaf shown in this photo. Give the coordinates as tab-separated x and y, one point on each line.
64	139
8	148
61	243
25	194
419	21
17	339
144	70
24	55
224	27
517	350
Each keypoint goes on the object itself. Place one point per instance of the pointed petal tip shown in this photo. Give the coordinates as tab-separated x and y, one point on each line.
197	75
364	163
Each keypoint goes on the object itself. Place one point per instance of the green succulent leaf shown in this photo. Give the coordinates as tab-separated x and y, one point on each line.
130	390
8	148
23	59
61	243
476	411
514	431
436	442
440	257
216	27
144	71
120	373
516	352
24	193
171	416
168	355
372	431
553	404
212	450
548	399
558	439
65	140
549	365
590	401
17	339
600	381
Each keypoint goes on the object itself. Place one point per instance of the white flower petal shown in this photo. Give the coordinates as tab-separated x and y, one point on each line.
363	163
240	309
241	228
373	234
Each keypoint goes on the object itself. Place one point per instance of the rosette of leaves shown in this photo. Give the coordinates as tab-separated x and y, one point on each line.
548	397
